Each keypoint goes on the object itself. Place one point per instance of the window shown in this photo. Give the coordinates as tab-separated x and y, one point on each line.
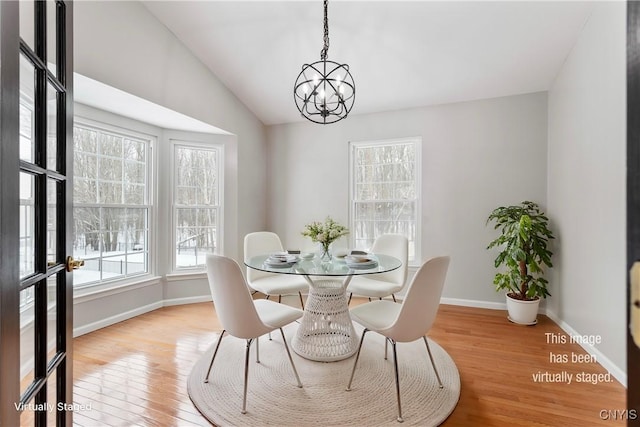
385	191
197	210
111	203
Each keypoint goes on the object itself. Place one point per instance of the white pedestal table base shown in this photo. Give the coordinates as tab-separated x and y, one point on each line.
326	332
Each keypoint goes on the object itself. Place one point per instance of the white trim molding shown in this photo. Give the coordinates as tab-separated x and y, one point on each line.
474	303
186	300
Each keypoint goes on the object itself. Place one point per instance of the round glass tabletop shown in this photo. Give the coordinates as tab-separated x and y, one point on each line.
370	264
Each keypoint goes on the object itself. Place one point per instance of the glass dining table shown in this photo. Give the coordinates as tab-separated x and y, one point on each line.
326	332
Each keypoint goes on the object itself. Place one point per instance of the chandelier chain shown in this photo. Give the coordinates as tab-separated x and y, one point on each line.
325	49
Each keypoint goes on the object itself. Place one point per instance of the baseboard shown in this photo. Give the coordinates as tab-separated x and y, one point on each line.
474	303
186	300
601	359
103	323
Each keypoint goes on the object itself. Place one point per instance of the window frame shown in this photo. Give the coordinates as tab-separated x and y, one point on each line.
195	145
127	129
417	142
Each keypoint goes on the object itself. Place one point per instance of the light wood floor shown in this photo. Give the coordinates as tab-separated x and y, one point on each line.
135	372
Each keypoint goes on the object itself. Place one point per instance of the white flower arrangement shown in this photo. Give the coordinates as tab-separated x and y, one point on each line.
325	232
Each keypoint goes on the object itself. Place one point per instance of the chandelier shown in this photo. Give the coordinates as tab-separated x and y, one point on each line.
324	91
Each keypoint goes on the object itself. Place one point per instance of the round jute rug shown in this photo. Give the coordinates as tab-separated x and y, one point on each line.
273	397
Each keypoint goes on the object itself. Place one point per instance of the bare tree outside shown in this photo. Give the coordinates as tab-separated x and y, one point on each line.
196	203
384	192
111	204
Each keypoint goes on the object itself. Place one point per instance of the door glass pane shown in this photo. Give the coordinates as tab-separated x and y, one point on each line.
52	197
52	399
27	81
52	308
27	20
27	317
52	109
52	27
27	224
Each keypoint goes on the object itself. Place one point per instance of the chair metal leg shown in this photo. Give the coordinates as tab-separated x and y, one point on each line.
350	295
257	349
267	296
355	363
246	376
394	298
279	299
395	367
301	301
206	379
432	363
386	344
295	371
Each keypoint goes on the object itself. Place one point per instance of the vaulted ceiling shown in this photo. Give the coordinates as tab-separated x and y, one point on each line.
402	54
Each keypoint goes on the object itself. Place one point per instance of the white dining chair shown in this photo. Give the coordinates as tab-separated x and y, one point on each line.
243	317
266	242
385	284
408	321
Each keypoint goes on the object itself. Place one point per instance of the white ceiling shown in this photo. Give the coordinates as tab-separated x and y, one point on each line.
402	54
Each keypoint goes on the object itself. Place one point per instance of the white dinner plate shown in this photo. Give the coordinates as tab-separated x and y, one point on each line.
275	263
363	265
284	257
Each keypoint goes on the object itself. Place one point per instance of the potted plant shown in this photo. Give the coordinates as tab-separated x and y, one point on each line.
523	240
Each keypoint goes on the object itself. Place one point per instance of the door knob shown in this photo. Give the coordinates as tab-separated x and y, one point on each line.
74	264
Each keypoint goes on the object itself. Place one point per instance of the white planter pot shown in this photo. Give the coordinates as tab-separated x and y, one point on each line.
522	312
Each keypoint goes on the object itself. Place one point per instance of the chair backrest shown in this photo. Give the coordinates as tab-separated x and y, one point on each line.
260	243
234	305
420	304
395	245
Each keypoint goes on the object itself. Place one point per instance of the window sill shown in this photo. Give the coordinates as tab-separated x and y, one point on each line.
186	275
100	291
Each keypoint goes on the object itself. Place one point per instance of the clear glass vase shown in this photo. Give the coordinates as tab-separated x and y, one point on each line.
325	255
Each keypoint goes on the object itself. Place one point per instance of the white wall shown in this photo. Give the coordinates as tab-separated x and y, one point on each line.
121	44
586	183
476	156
